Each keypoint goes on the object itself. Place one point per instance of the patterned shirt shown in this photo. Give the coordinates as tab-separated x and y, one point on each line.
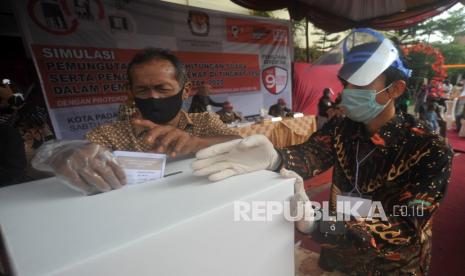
122	135
406	168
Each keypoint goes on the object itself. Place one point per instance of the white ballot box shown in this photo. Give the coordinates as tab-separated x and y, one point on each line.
178	225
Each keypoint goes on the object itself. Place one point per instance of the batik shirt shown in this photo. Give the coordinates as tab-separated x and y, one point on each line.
123	135
408	169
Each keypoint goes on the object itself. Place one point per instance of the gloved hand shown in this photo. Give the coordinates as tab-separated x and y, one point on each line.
85	166
235	157
300	200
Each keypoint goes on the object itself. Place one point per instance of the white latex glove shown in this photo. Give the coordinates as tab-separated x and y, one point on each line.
86	167
300	199
235	157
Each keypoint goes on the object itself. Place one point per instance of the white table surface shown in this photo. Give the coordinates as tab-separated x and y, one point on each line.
49	228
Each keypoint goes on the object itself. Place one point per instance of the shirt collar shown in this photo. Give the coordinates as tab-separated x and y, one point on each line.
394	132
185	122
390	134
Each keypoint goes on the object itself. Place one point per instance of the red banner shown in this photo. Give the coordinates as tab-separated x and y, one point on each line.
247	31
223	71
76	76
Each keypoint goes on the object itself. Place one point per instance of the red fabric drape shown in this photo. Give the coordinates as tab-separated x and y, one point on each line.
335	16
308	84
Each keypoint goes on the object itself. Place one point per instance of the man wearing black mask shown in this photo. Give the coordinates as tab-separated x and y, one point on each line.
158	86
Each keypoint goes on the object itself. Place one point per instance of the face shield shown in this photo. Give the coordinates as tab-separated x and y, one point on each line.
367	54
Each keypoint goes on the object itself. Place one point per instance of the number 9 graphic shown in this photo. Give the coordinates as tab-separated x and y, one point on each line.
270	81
274	79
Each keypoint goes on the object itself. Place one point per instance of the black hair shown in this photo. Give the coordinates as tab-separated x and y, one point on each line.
326	91
392	74
149	54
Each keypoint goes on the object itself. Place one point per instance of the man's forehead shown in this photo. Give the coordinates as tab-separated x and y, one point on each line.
156	64
154	69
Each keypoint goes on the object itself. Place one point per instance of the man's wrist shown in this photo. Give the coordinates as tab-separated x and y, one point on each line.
307	227
199	143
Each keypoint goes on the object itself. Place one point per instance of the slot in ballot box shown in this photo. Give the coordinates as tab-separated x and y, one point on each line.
178	225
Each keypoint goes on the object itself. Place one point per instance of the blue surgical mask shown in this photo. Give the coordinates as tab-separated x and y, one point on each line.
360	104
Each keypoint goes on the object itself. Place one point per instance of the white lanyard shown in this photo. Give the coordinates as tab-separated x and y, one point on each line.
358	163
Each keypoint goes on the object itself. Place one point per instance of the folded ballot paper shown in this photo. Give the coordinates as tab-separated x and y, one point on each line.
140	166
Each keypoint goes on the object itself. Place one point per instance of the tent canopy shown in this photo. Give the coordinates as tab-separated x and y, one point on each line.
339	15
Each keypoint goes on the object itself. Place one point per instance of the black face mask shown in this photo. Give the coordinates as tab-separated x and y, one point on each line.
160	111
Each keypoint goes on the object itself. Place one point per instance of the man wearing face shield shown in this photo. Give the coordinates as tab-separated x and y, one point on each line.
377	155
158	86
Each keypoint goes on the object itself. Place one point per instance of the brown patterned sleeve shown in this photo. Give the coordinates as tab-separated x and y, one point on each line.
99	135
314	156
211	125
125	112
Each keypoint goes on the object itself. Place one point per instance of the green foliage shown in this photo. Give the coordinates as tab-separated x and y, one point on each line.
301	55
324	42
420	64
298	30
453	25
447	27
268	14
453	54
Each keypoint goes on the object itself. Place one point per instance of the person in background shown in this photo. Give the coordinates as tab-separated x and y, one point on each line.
437	95
29	119
227	113
459	118
157	81
420	100
447	88
13	158
441	122
11	100
457	90
324	104
460	95
279	109
432	117
202	99
32	123
375	153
